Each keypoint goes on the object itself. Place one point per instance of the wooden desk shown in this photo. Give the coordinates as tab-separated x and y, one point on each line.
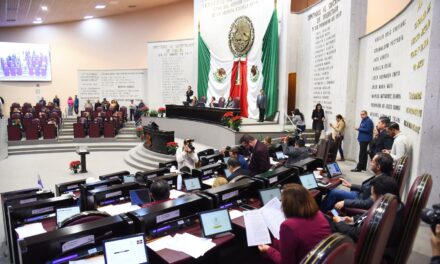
171	256
207	114
334	182
156	140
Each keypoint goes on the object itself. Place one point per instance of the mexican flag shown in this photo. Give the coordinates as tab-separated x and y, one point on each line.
242	77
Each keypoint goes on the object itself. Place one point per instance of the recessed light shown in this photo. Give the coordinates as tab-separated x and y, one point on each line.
44	8
88	17
38	19
100	6
37	22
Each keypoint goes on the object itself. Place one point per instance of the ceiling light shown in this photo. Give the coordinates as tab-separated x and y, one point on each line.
88	17
100	6
44	8
38	19
37	22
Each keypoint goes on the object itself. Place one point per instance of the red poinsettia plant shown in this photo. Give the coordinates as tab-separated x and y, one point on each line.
74	165
139	131
226	117
235	122
145	110
172	146
161	110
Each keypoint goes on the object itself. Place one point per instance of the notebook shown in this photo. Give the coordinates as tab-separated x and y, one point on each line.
127	249
333	169
308	181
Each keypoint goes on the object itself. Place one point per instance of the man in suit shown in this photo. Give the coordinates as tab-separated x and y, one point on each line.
261	105
383	140
365	135
296	153
259	160
359	195
236	170
189	94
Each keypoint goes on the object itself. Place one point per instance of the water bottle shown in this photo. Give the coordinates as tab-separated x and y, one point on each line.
179	182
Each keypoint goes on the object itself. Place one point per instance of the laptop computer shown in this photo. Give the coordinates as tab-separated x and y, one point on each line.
215	222
127	249
140	196
333	170
192	184
280	155
308	181
268	194
63	213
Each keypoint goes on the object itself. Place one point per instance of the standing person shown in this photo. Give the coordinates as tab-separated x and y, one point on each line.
365	135
42	102
56	101
70	104
382	140
131	107
76	104
97	104
186	156
318	121
338	131
189	93
259	161
401	143
305	226
2	102
298	120
261	105
105	104
141	104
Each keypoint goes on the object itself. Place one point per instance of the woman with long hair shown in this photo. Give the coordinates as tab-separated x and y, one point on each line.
298	120
305	226
338	131
318	121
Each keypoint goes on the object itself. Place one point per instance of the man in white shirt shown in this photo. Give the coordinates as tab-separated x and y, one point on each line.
401	143
186	157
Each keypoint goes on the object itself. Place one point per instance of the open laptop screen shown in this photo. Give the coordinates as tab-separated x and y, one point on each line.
280	155
140	196
333	169
215	222
268	194
308	181
128	249
66	212
192	184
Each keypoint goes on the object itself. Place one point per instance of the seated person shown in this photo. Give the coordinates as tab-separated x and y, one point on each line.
193	101
230	103
359	195
235	169
305	226
160	192
296	153
220	180
221	102
435	244
212	103
97	104
202	102
351	226
234	153
186	155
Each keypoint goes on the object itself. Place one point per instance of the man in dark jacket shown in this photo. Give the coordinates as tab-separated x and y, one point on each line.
259	160
383	140
261	105
351	226
365	135
296	153
359	195
236	170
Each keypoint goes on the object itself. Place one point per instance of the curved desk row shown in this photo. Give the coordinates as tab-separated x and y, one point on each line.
207	114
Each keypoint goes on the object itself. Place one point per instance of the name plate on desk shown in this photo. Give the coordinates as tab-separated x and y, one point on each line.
30	200
227	196
72	187
42	210
170	215
113	194
207	172
273	180
78	242
151	176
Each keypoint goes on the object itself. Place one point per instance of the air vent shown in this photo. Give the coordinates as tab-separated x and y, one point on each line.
10	20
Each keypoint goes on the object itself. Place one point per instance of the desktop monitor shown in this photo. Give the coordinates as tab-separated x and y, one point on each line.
308	181
280	155
333	169
192	184
63	213
127	249
140	196
268	194
215	222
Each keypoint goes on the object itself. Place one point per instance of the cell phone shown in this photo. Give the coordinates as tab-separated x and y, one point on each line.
334	212
247	207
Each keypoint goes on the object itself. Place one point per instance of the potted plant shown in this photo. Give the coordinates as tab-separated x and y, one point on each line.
226	117
140	132
161	111
172	147
235	123
74	166
154	113
145	110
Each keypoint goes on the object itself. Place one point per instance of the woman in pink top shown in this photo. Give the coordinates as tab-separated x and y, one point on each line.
70	106
305	226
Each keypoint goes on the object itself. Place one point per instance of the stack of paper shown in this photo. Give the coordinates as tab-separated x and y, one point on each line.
174	194
235	214
209	181
118	209
186	243
30	230
257	222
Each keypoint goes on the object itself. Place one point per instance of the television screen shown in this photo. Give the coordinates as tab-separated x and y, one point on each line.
25	62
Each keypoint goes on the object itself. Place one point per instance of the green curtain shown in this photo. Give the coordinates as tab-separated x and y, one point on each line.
270	65
203	68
